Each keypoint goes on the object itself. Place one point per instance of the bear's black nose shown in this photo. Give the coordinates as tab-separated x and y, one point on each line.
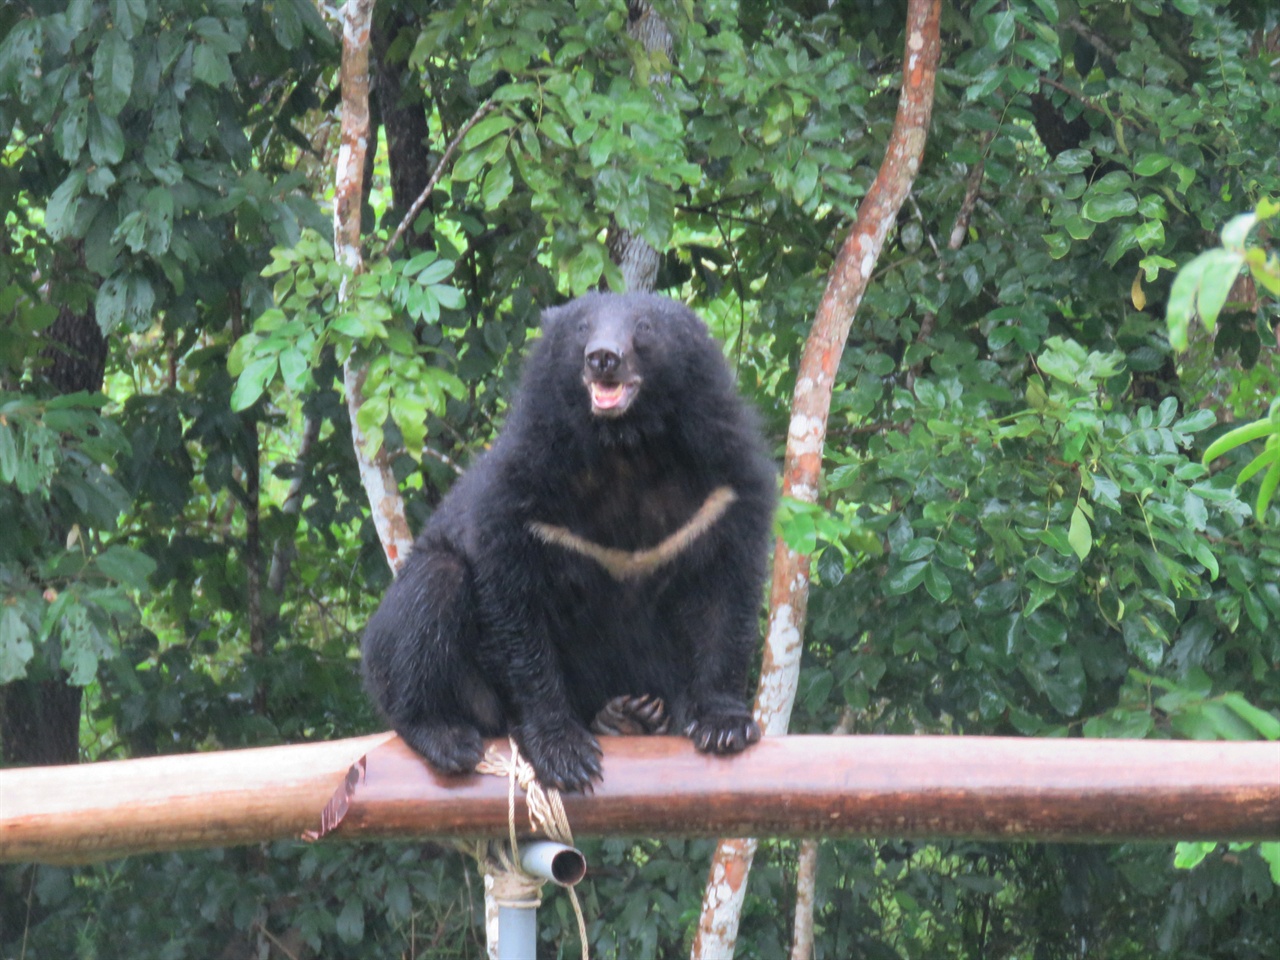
603	361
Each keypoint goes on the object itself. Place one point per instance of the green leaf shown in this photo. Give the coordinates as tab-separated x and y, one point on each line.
60	213
486	130
1236	232
1151	164
1103	207
1059	245
1267	489
1001	27
112	73
585	268
1212	721
450	298
1204	554
1262	721
16	649
996	597
111	303
350	923
126	566
286	24
1196	421
1220	272
497	186
432	271
1237	437
253	381
937	582
917	549
294	368
72	129
372	414
1065	687
1262	461
1270	852
211	66
1044	568
1120	724
410	415
468	166
905	579
106	139
1182	302
1191	853
987	83
8	454
1041	55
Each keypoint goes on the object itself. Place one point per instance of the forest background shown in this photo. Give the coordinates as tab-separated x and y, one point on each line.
1016	534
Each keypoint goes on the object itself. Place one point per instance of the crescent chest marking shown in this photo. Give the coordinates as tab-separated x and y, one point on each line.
634	564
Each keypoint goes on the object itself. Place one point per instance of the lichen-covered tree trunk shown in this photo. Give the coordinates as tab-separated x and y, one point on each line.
802	470
375	471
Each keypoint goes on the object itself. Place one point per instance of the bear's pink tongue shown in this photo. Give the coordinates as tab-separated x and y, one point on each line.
607	396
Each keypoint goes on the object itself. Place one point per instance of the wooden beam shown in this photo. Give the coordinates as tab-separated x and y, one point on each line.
857	786
96	811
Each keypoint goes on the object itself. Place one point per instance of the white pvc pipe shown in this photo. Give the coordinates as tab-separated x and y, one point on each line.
557	862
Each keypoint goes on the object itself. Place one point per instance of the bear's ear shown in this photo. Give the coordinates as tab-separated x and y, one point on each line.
553	318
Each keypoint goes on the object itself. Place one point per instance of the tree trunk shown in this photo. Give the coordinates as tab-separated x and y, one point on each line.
402	108
638	261
375	473
40	714
802	469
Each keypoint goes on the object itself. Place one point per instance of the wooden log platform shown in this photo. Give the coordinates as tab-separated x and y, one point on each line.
797	786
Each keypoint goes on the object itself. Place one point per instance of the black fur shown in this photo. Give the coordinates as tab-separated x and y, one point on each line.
489	629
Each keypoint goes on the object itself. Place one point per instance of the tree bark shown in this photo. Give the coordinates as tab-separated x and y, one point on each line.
404	116
40	714
375	473
802	470
637	260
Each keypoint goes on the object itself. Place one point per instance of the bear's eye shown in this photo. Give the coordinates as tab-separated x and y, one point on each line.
645	325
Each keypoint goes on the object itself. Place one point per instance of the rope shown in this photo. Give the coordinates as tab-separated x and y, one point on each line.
512	886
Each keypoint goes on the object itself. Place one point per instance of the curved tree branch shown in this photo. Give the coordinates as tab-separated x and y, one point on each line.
810	408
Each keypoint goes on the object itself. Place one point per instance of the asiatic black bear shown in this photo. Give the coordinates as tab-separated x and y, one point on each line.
611	546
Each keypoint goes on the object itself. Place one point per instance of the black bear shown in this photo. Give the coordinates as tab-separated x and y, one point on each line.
609	549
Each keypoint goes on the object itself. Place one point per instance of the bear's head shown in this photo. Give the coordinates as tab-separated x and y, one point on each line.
628	357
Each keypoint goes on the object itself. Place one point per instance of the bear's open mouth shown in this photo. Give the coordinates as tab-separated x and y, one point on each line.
611	399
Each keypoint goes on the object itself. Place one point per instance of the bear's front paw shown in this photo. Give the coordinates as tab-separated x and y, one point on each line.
564	755
449	747
723	731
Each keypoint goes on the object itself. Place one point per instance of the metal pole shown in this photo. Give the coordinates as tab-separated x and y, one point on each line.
517	924
517	933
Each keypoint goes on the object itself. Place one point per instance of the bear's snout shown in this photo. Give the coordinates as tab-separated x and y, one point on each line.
603	361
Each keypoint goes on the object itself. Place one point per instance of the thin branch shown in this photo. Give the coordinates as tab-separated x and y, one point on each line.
443	458
960	228
1095	39
436	175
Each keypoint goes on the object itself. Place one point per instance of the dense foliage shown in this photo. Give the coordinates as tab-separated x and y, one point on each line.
1017	533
